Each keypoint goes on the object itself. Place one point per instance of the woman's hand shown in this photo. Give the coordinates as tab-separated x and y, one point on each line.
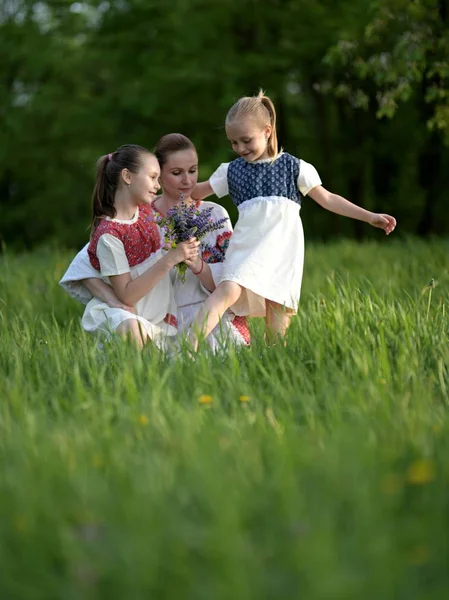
382	221
185	252
194	264
118	304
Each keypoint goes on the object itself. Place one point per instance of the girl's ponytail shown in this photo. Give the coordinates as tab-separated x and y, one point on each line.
272	146
103	194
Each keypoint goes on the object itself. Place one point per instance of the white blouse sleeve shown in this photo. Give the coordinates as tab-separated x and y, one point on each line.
308	177
111	255
79	269
219	180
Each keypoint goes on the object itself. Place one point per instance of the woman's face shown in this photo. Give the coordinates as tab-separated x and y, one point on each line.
179	174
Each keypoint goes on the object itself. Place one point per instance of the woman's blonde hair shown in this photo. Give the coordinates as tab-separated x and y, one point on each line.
261	109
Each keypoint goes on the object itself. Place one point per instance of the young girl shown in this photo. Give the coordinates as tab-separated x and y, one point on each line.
125	247
263	269
178	161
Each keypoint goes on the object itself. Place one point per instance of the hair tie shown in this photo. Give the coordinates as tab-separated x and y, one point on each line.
110	156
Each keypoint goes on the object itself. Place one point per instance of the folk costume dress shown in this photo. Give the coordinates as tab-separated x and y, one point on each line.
266	252
131	246
189	296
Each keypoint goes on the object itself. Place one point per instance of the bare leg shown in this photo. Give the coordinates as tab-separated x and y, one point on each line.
131	328
277	321
213	309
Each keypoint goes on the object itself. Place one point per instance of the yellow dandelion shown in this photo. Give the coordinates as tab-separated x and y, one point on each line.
245	398
143	419
421	472
391	484
419	555
205	399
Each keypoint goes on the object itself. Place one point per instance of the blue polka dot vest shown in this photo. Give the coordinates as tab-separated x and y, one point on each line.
248	180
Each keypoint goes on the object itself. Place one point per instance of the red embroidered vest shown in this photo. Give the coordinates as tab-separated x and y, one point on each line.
140	239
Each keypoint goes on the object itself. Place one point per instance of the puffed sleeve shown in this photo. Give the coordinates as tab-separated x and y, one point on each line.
79	269
219	180
308	177
111	256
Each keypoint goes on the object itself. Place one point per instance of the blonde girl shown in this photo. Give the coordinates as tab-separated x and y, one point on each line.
263	270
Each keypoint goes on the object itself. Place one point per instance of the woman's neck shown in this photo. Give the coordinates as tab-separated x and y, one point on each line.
164	203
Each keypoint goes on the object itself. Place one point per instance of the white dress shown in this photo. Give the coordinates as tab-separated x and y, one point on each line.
266	252
152	311
155	312
188	296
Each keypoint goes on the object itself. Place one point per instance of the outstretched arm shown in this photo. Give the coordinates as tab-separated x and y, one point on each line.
202	190
339	205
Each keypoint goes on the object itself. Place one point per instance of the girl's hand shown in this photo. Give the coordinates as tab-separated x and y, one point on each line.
118	304
185	251
384	222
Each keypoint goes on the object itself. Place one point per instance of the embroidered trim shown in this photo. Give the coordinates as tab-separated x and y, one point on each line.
125	221
241	325
171	320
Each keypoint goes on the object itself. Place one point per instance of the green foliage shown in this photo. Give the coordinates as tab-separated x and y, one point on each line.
320	467
402	50
79	79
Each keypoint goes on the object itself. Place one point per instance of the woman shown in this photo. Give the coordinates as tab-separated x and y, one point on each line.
178	161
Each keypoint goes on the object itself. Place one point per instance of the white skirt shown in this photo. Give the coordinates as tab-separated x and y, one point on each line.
266	255
155	311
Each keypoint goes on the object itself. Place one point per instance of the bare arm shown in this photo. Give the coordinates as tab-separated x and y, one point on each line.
202	190
339	205
131	291
202	270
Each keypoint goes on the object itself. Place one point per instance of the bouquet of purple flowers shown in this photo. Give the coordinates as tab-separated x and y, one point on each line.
185	221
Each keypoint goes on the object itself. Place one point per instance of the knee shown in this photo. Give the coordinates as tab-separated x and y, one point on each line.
230	290
132	328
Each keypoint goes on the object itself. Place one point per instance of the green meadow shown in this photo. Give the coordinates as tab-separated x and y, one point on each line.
316	470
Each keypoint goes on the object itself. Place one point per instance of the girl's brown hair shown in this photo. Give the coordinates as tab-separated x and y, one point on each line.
108	175
261	109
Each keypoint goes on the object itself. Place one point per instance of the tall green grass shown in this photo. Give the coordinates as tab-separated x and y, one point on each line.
317	470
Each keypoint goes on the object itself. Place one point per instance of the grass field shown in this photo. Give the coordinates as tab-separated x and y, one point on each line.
317	471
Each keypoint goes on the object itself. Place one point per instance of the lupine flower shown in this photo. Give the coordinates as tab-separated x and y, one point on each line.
185	221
